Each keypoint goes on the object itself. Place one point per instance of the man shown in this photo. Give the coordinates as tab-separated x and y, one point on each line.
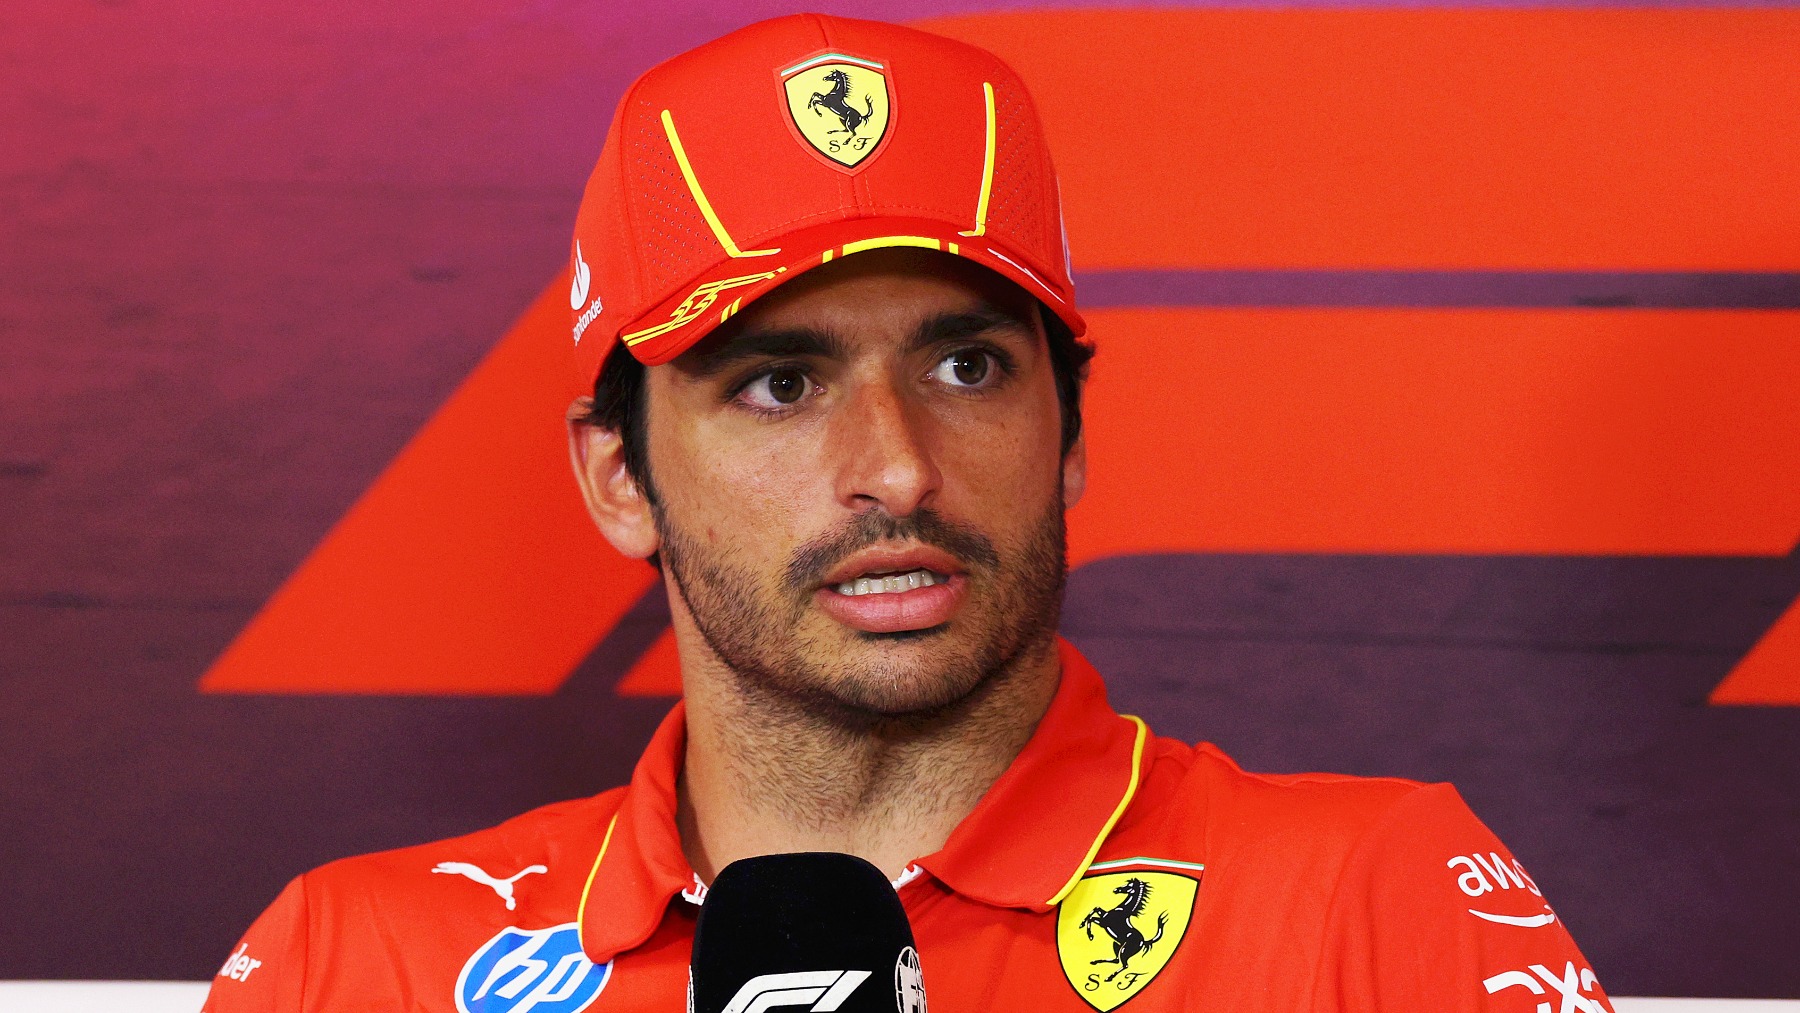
821	289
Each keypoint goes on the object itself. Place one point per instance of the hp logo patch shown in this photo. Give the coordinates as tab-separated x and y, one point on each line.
530	971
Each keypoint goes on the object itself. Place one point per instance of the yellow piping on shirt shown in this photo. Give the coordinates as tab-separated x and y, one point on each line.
1137	759
581	909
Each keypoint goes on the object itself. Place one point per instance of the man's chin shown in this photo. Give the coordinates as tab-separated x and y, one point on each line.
870	698
908	674
899	638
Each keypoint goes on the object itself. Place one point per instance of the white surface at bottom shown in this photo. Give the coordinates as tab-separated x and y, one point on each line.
95	996
186	996
1639	1004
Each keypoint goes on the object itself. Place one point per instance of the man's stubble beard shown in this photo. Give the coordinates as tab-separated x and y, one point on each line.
755	631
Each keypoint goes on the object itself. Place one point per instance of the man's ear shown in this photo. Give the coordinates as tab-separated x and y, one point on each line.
1074	472
618	507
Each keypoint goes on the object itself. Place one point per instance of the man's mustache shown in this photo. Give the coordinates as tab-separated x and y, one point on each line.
811	562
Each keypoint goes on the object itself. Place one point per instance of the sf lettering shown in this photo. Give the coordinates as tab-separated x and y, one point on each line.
847	144
1124	982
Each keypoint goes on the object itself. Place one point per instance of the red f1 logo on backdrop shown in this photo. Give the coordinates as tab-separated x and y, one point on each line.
469	567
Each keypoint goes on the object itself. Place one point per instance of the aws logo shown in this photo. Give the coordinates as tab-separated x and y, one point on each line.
1482	874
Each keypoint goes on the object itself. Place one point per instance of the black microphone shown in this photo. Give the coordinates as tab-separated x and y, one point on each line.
817	931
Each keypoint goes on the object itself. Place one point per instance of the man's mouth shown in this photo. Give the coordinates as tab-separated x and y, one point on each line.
890	583
893	589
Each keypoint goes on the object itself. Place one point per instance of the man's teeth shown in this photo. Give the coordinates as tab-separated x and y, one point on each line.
891	584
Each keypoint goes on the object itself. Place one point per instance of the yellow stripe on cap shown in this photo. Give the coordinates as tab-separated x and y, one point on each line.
885	241
987	166
699	195
1137	759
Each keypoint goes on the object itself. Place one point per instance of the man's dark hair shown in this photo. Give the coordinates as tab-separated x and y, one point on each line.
619	402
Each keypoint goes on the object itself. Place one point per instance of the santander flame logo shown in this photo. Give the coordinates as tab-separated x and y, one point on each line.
578	288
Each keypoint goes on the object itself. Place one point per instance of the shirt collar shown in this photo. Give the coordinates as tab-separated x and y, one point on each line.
1025	845
640	866
1032	836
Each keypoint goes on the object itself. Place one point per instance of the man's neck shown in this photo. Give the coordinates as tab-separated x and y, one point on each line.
764	775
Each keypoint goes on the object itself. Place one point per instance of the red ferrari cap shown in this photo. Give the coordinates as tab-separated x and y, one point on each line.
741	164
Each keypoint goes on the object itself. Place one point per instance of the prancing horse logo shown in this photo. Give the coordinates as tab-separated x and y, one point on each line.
839	106
1127	939
1121	925
836	100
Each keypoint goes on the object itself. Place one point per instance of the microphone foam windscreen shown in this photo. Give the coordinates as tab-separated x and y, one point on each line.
818	931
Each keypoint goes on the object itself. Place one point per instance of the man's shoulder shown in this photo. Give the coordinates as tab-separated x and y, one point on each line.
1319	814
541	858
1381	892
368	931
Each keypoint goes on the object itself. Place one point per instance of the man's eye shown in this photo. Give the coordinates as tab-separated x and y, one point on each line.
968	367
777	388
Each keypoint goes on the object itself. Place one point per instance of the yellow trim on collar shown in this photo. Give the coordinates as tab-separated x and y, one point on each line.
581	909
1131	787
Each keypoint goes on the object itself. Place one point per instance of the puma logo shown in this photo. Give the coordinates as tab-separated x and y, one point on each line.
503	887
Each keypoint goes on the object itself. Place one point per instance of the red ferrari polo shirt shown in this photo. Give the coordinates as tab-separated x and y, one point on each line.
1106	868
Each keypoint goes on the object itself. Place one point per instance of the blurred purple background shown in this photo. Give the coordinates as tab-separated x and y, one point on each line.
247	250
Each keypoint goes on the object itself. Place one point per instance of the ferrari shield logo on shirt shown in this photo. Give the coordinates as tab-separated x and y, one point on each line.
839	105
1119	927
530	971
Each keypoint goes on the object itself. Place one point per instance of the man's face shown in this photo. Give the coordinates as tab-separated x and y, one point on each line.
861	485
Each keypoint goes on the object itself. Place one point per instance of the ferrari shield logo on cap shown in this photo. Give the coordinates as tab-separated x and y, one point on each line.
839	105
1117	929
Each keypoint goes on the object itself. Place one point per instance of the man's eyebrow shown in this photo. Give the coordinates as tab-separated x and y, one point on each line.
965	324
770	344
796	342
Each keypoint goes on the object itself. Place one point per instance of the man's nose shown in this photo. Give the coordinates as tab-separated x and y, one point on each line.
884	444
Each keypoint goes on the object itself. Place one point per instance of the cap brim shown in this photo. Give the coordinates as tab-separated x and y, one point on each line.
679	322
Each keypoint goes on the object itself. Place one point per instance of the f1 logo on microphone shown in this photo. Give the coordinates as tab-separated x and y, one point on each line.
819	991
